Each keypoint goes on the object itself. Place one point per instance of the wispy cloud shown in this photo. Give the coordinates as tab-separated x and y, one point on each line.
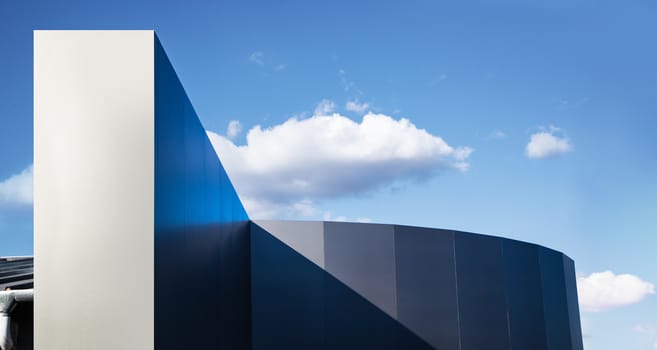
234	128
357	107
18	188
497	135
548	143
347	84
565	104
601	291
650	328
440	78
328	216
324	107
257	57
294	164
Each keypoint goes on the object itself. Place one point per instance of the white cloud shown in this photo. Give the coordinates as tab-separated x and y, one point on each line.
18	189
655	345
324	107
355	106
257	57
547	143
330	156
602	291
234	128
279	67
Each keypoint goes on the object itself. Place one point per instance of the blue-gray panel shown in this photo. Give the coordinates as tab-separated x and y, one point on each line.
481	292
555	304
573	304
202	272
288	296
306	237
298	305
426	284
523	288
362	256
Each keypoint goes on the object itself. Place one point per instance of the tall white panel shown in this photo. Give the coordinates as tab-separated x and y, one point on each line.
93	189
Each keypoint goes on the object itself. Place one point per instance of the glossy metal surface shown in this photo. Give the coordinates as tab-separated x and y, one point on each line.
202	272
452	290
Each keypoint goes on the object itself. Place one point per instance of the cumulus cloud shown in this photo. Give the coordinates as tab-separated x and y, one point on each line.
292	164
18	189
602	291
357	107
324	107
257	57
234	128
547	143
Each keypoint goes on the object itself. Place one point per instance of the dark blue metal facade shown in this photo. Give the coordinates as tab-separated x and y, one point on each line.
202	273
298	305
224	282
450	290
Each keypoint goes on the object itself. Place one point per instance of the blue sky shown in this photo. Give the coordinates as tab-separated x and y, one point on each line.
579	76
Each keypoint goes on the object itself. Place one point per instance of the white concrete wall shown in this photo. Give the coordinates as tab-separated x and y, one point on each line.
93	189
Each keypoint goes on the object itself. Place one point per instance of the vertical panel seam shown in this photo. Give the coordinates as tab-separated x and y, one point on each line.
394	271
568	301
506	297
456	283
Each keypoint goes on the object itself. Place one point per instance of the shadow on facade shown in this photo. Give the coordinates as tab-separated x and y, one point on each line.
298	305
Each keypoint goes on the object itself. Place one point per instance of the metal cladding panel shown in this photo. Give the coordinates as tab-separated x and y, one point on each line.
454	290
481	292
288	295
523	290
306	237
555	303
202	272
573	304
93	189
299	305
353	322
426	284
362	256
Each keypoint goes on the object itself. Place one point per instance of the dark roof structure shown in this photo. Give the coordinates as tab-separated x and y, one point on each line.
16	272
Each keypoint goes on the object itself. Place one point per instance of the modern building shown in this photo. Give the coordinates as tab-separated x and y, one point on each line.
141	241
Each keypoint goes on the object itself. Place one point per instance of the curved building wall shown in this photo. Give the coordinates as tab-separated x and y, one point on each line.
332	285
